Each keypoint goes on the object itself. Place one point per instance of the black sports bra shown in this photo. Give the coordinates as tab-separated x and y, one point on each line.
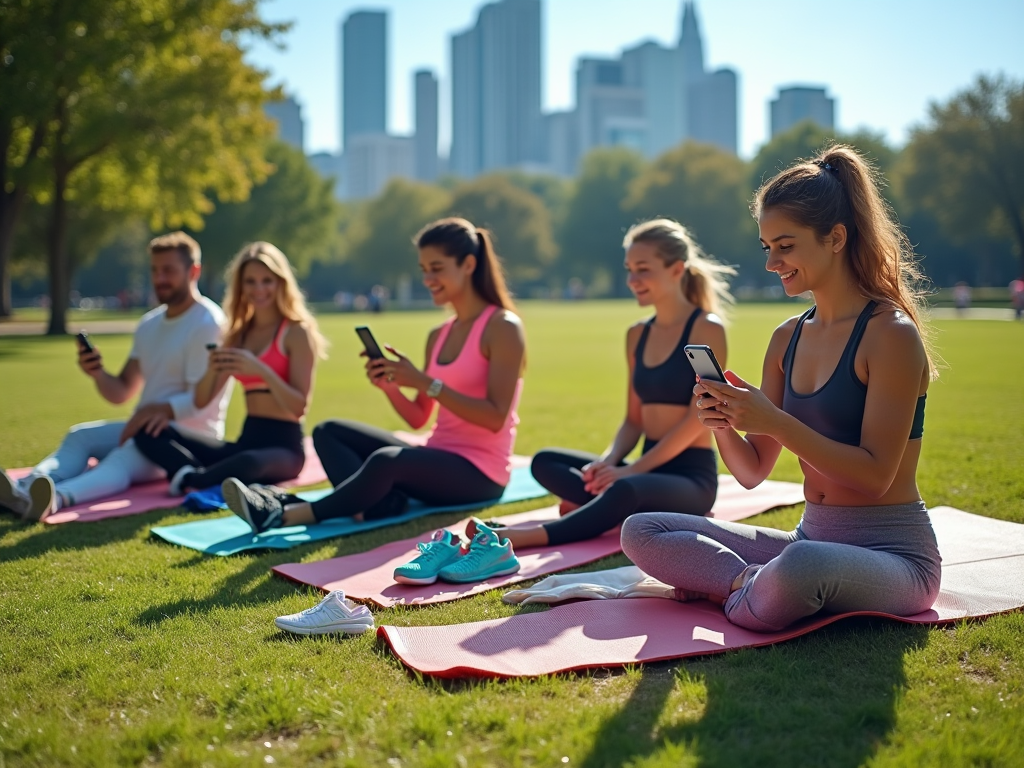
836	409
671	382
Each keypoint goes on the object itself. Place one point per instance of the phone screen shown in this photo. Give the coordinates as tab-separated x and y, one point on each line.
702	358
373	350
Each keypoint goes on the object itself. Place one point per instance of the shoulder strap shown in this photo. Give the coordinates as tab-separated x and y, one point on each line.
642	342
685	339
787	360
850	353
442	336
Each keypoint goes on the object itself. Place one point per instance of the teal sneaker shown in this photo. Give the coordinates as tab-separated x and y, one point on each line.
443	548
487	557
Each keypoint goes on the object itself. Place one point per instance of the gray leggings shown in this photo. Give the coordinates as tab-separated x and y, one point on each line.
838	559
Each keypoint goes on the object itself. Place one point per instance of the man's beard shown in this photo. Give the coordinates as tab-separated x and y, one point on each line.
172	296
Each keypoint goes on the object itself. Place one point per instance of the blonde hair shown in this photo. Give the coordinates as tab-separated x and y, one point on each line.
839	186
704	282
185	245
290	301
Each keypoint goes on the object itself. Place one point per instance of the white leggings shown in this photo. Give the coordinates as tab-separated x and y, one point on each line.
119	465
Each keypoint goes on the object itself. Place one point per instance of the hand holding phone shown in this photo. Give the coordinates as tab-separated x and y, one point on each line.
84	345
373	350
702	359
211	346
89	358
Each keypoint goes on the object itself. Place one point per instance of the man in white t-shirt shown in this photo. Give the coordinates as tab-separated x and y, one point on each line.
169	355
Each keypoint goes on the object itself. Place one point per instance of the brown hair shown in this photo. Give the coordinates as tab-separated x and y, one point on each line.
704	281
839	186
458	238
185	245
290	301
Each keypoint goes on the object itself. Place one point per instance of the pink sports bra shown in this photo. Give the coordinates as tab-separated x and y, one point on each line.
274	358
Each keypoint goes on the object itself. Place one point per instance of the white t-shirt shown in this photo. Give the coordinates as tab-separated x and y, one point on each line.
173	356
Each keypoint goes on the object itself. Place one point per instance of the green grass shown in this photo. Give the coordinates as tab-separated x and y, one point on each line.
119	650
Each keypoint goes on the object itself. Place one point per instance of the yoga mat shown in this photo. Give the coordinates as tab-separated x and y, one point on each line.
230	535
148	496
982	575
368	576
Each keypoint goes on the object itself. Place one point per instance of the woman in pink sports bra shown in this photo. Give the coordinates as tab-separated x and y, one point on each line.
473	379
271	345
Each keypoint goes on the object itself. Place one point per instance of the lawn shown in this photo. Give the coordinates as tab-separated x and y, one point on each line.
116	649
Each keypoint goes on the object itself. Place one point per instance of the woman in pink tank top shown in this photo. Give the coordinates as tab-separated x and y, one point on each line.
472	380
271	345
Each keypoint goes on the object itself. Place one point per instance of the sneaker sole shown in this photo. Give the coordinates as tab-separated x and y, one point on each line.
234	497
415	581
345	629
459	579
9	499
41	493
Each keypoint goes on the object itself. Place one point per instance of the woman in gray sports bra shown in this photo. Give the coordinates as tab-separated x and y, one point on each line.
843	388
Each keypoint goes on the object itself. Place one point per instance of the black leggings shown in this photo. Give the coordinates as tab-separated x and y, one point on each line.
687	483
376	473
268	451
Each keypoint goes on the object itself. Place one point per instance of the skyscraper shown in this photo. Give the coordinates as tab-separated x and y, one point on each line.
496	89
690	63
288	115
799	103
608	111
713	110
364	91
425	139
652	68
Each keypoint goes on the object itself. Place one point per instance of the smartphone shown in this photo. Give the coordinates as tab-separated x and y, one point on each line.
83	342
702	358
373	350
211	346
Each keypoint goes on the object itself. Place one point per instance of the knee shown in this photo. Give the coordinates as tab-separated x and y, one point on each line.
636	534
799	564
543	462
388	456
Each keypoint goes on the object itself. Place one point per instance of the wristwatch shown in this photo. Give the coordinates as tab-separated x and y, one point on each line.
435	388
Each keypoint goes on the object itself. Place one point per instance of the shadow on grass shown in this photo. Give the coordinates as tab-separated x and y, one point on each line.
825	699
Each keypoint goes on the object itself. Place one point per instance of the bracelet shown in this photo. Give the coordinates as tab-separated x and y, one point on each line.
435	388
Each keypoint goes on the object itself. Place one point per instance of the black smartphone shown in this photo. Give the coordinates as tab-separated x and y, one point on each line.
211	346
373	350
702	358
83	342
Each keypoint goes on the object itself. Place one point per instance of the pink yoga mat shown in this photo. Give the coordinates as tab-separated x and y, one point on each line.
982	575
368	576
149	496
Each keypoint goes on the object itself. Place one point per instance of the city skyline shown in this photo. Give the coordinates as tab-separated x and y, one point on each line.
886	87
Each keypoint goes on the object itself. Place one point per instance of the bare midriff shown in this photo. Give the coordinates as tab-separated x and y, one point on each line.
820	490
661	418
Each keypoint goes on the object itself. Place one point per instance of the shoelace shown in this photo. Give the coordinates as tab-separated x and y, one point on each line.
428	550
477	548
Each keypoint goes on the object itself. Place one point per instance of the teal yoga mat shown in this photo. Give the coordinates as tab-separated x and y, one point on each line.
230	535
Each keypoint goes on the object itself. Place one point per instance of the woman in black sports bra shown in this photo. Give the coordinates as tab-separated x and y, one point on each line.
678	470
843	388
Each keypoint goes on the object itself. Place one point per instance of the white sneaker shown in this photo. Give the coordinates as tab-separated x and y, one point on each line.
175	489
12	497
335	613
43	499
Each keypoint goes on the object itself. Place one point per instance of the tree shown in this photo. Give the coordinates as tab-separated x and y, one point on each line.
380	239
706	190
518	219
590	238
144	108
806	139
294	208
965	166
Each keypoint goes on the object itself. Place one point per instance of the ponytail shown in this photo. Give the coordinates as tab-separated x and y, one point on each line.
705	281
459	239
840	186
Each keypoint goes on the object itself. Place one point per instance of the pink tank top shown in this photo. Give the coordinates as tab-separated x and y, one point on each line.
490	452
275	359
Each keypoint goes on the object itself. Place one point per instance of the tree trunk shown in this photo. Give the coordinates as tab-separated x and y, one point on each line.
10	207
60	277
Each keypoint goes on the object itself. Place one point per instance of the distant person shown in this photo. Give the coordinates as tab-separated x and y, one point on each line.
1017	298
271	345
677	471
167	360
472	379
843	387
962	297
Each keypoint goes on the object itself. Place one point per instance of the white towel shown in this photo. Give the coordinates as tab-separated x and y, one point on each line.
628	581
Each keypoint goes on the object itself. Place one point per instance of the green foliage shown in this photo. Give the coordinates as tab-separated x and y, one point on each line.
590	238
294	209
118	650
518	219
965	166
704	189
805	140
380	239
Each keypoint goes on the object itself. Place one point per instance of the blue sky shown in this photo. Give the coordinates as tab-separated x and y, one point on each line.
883	60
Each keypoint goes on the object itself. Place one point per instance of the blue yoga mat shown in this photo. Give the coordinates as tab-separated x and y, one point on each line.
230	535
